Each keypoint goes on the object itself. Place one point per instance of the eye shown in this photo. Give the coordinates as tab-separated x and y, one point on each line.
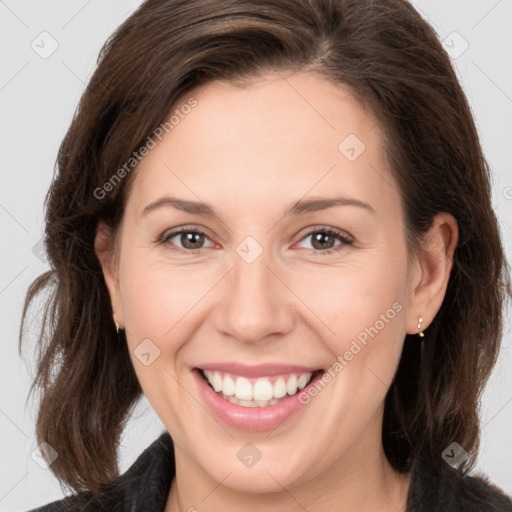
324	237
191	239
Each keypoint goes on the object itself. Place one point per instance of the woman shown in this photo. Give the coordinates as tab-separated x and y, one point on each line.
273	219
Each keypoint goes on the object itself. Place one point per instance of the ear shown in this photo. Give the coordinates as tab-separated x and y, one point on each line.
105	251
432	272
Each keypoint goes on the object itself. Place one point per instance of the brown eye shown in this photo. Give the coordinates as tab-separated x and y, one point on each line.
191	240
185	239
323	240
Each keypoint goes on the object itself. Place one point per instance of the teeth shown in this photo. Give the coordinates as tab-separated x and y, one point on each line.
263	390
291	385
239	390
216	382
252	403
228	385
243	389
303	380
279	388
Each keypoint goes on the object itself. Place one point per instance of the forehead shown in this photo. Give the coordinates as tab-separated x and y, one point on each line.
291	134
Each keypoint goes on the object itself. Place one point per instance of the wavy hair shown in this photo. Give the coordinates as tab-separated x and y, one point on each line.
392	61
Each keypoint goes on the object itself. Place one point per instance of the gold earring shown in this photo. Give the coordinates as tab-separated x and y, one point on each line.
420	321
116	324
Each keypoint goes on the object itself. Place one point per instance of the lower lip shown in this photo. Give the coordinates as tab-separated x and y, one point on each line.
250	418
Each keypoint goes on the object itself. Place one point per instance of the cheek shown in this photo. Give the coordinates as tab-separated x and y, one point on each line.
357	301
157	301
147	303
363	307
161	300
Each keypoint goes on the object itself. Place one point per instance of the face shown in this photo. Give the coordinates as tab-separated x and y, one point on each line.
266	282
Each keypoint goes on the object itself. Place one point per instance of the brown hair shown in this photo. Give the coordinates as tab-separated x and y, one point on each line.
394	64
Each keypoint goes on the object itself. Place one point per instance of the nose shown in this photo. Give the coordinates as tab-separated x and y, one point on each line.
256	305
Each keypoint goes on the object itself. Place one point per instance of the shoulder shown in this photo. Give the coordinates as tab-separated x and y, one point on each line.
477	493
436	486
146	483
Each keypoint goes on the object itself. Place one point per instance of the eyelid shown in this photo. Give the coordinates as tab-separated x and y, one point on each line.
326	229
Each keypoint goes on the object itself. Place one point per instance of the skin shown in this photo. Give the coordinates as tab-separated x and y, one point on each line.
251	152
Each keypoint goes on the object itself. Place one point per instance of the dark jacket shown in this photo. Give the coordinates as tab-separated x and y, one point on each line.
144	487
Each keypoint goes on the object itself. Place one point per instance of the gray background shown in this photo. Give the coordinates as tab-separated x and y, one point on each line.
38	95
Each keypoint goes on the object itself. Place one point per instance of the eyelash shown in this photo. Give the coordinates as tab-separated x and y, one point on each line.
164	239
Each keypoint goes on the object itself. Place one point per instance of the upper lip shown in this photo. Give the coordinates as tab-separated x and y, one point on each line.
260	370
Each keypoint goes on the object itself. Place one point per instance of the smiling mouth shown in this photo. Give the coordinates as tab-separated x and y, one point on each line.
256	392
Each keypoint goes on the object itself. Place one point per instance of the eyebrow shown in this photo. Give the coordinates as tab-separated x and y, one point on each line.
298	208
